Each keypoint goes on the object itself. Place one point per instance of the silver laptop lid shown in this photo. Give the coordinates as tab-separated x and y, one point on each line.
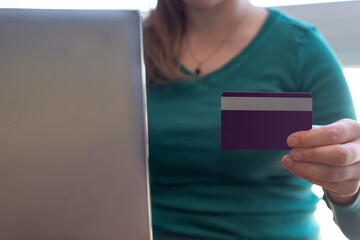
73	159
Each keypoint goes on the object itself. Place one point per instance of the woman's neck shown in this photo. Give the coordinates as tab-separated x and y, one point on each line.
217	19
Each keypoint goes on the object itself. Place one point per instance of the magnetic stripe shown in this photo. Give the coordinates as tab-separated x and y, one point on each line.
266	104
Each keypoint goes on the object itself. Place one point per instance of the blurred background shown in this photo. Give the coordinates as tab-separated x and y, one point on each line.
336	20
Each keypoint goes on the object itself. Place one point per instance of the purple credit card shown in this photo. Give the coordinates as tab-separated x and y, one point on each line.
263	121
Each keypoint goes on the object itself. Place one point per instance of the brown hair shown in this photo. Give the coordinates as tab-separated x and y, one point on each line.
163	30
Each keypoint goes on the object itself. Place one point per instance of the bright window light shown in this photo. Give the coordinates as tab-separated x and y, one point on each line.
323	215
273	3
142	5
153	3
353	78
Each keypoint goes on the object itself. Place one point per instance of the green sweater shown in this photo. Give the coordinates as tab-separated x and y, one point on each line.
199	190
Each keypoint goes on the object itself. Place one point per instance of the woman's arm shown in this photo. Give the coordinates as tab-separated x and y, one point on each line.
329	156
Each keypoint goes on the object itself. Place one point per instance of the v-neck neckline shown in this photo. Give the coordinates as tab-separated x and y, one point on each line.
241	55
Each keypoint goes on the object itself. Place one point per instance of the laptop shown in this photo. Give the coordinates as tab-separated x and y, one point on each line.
73	136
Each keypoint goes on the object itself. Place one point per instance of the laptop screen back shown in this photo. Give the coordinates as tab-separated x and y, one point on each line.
72	126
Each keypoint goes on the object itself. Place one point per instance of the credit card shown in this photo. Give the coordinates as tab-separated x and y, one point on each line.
263	120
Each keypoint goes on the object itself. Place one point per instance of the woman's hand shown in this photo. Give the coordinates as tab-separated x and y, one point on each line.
328	156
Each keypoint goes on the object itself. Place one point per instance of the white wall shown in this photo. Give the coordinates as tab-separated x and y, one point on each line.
339	22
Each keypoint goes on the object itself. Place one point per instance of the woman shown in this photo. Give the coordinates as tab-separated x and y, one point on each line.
194	51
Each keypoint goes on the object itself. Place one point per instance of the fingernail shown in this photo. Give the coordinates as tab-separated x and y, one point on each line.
292	141
296	155
287	162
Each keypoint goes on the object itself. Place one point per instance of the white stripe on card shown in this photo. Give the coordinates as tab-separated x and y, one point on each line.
266	104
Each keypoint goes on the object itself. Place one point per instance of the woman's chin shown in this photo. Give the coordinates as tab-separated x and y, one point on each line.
201	4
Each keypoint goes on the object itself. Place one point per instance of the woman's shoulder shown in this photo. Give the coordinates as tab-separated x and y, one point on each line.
286	22
289	20
291	28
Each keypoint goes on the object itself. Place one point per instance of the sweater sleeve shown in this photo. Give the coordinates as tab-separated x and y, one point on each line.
320	73
346	217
